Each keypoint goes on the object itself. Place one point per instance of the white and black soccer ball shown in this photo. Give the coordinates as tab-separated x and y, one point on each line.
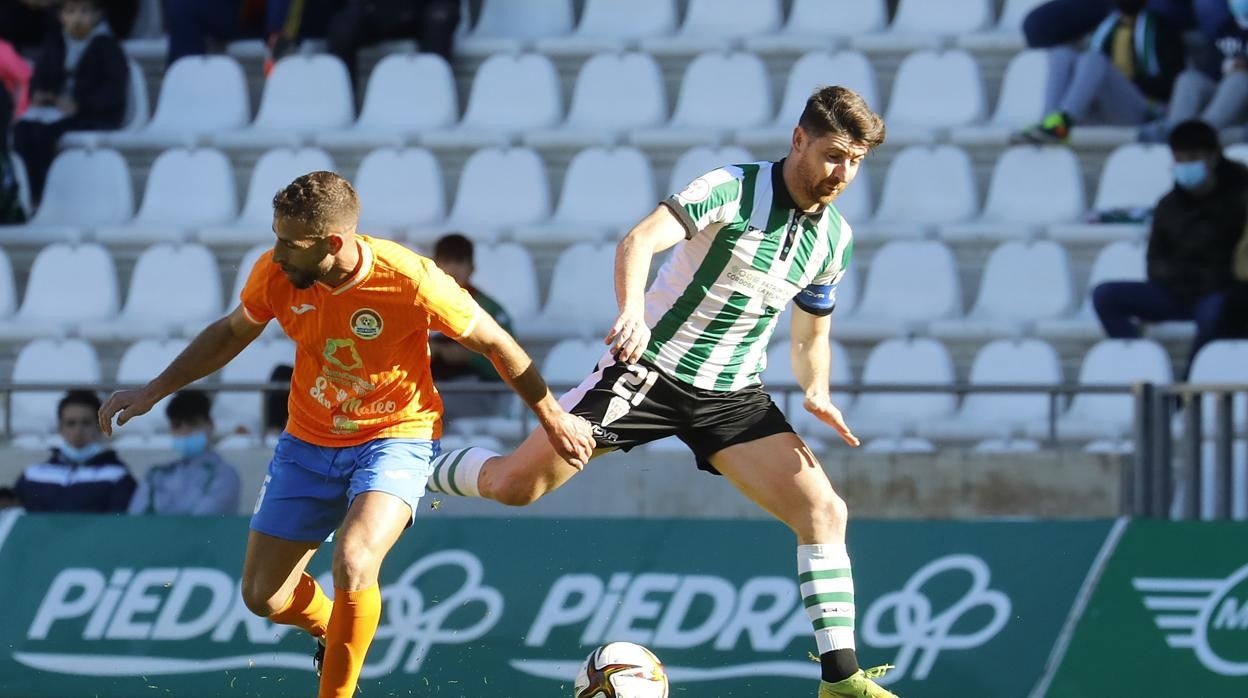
621	670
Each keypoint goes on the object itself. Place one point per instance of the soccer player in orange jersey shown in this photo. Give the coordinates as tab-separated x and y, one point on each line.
364	416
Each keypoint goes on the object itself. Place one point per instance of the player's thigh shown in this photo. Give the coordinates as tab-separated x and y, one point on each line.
271	568
781	475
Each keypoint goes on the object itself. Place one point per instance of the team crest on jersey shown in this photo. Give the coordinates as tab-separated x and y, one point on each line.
366	323
697	191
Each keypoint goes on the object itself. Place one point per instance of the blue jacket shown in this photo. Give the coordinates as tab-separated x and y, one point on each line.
102	484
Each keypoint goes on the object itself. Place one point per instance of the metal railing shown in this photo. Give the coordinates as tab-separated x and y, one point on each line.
1148	485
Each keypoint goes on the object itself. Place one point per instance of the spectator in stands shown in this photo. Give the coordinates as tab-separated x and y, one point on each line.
200	482
1058	22
82	475
276	408
80	82
194	24
14	86
365	22
1128	69
25	23
1220	103
451	362
1190	248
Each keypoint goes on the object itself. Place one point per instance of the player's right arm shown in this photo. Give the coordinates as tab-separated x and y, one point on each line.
207	353
658	231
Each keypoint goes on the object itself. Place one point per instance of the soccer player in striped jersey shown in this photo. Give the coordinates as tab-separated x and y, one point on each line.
685	357
365	418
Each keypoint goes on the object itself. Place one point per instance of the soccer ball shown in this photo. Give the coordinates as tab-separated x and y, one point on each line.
621	670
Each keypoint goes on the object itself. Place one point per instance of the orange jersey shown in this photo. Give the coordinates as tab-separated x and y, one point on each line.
362	348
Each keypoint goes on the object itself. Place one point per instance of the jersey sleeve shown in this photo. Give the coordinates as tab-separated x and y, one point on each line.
452	311
712	198
819	298
255	293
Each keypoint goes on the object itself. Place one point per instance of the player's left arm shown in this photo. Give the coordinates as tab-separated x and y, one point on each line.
811	356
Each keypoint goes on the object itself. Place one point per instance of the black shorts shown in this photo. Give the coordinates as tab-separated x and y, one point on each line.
633	404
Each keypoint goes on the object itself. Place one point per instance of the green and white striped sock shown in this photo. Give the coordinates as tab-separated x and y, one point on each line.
456	472
827	588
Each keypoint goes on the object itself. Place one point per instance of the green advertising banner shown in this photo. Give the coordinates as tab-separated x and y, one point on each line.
1168	617
123	607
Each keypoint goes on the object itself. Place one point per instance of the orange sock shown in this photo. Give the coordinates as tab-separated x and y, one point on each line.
308	607
351	628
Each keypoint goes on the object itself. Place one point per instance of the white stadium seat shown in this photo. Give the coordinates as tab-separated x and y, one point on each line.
390	116
510	94
613	25
700	117
1109	362
614	93
1134	176
138	110
923	24
273	171
399	189
584	213
8	290
699	160
85	189
1222	361
68	285
505	272
933	92
581	302
987	415
1007	33
1117	261
175	289
304	95
815	25
186	190
232	410
916	361
910	284
71	362
817	69
199	96
1020	104
571	360
509	25
711	25
515	182
1031	188
1023	282
141	362
925	187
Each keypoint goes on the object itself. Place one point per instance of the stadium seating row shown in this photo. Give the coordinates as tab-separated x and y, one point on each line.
939	416
927	191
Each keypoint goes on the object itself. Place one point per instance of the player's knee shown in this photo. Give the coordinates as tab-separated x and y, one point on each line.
828	519
355	564
260	600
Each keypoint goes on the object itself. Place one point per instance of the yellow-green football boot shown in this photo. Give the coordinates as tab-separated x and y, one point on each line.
860	685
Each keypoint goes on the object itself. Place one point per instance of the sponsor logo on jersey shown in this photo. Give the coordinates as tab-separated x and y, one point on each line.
698	190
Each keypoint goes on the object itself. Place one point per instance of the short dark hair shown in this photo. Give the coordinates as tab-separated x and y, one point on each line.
189	407
83	397
453	247
839	109
97	5
320	200
1194	134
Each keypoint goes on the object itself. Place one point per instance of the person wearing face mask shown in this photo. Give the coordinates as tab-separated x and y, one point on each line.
1123	77
1222	100
1195	229
81	475
200	482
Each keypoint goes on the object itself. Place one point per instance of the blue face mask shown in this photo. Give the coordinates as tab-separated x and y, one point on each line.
192	444
1190	175
81	455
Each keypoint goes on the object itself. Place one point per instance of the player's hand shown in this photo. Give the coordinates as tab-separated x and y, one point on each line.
125	405
822	407
629	336
572	437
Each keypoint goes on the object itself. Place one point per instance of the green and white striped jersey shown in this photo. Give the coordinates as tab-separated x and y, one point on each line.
748	252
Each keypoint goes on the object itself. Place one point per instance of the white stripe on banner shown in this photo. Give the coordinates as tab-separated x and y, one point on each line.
8	519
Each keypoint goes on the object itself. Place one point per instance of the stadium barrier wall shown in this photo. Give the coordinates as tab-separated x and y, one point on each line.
119	607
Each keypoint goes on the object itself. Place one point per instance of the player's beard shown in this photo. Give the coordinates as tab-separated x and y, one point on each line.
301	278
820	192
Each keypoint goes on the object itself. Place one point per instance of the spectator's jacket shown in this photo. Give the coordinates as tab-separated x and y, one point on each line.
1232	42
101	80
201	486
1193	240
101	484
1159	54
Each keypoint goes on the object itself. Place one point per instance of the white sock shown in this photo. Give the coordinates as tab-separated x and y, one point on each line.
456	472
827	589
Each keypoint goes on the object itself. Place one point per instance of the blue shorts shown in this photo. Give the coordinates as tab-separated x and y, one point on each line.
308	488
